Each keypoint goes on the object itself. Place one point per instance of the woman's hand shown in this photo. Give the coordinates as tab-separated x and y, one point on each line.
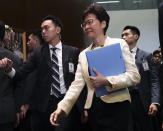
99	80
55	116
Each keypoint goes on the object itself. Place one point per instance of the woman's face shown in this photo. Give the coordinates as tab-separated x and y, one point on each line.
92	26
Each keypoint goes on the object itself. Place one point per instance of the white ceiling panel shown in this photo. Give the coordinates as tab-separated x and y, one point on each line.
128	4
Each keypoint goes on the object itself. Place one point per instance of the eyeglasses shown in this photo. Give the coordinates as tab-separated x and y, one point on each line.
88	22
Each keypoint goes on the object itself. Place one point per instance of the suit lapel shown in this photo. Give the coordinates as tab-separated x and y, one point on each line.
65	56
85	63
46	54
139	58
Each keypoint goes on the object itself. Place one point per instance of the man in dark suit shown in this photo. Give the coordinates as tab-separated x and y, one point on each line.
42	60
7	103
160	17
26	94
34	40
145	96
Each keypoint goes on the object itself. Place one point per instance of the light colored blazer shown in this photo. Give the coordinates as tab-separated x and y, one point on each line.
122	81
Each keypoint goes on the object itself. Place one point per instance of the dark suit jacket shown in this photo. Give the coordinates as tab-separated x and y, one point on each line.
40	60
7	104
160	11
30	90
149	87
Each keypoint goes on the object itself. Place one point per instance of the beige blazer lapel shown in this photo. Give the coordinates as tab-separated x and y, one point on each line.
85	72
85	65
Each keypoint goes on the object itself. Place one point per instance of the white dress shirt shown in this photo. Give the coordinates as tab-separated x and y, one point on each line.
133	51
59	56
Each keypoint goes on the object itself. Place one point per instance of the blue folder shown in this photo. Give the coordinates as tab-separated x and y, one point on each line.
108	61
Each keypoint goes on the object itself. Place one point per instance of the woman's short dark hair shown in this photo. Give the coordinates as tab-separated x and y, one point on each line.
99	12
2	30
55	20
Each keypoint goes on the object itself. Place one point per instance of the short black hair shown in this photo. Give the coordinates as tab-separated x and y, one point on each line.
2	30
55	20
37	33
99	12
155	52
134	29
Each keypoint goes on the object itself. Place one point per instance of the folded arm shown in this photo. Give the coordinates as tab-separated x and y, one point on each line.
130	77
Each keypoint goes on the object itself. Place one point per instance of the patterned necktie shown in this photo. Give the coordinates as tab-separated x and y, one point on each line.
55	85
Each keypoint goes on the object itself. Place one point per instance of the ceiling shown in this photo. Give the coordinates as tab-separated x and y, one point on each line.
26	15
128	4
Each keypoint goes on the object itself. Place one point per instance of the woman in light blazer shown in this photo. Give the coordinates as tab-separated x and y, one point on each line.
109	112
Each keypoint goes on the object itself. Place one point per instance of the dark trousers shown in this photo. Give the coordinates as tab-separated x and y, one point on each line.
40	120
7	127
157	121
85	127
109	116
139	118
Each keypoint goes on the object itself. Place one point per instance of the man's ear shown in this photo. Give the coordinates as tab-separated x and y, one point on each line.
136	36
58	30
103	24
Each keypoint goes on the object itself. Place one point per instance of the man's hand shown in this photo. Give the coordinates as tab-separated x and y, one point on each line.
6	64
17	121
99	80
84	117
152	110
24	109
55	117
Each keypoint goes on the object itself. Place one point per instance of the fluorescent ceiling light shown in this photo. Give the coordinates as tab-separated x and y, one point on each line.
137	1
108	2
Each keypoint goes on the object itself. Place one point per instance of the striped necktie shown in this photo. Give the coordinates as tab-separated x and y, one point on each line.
55	85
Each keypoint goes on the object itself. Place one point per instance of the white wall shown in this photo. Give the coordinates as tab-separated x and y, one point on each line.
145	20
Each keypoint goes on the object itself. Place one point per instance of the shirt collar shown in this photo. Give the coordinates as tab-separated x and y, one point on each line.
134	49
58	46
